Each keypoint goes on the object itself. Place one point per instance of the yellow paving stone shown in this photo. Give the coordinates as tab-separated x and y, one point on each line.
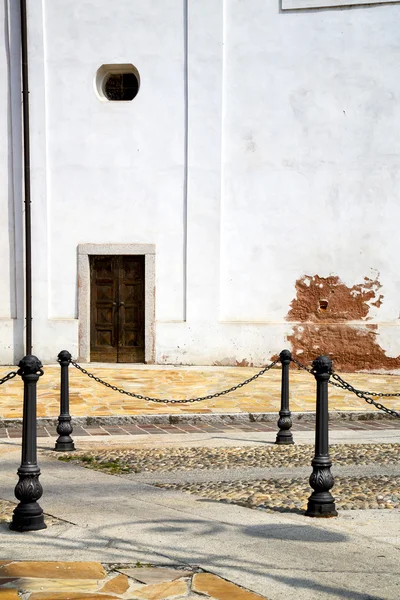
152	575
190	597
196	410
206	583
162	591
117	585
9	595
47	584
56	570
87	397
70	596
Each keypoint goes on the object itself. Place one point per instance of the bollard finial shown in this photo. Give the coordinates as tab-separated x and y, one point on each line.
285	355
322	364
64	356
30	365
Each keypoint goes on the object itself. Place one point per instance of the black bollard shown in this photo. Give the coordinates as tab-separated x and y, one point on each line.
321	502
28	515
64	441
284	435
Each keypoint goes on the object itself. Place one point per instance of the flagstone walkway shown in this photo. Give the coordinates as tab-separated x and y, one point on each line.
96	581
137	431
89	398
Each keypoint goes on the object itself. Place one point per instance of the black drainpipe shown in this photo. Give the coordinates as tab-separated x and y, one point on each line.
27	177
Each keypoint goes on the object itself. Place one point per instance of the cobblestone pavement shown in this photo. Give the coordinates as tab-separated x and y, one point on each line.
140	460
96	581
275	493
90	399
291	495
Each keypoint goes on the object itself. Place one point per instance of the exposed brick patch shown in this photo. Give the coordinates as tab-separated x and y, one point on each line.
326	309
328	299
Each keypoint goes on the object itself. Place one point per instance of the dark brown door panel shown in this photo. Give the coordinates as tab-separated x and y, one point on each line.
117	308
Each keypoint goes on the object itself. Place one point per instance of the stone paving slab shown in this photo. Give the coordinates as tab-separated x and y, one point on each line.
90	399
57	580
15	431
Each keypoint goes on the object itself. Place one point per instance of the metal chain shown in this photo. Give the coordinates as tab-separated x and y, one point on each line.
309	370
377	394
343	384
301	366
340	383
8	376
168	401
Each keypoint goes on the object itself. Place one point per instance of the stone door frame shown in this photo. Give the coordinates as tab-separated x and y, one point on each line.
87	250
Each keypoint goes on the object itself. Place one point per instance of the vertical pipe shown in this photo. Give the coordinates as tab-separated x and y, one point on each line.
28	515
27	177
321	502
284	435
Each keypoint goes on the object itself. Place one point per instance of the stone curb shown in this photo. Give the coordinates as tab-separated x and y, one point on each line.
219	418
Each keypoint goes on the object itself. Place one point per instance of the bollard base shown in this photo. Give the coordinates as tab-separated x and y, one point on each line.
64	446
28	518
284	438
318	510
284	435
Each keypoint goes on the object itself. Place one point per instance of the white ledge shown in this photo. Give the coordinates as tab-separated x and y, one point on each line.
304	4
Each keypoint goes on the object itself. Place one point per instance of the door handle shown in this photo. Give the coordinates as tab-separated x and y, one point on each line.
122	303
114	303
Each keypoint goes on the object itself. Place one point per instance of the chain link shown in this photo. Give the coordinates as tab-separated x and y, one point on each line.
8	376
339	382
347	386
342	384
377	394
172	401
301	366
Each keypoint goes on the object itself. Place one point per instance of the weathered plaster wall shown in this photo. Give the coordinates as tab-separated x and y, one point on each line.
334	319
261	152
309	181
310	173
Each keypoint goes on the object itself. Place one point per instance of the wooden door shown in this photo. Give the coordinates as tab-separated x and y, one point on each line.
131	311
117	308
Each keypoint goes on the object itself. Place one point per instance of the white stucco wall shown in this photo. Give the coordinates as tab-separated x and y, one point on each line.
311	156
263	146
11	236
7	306
116	169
